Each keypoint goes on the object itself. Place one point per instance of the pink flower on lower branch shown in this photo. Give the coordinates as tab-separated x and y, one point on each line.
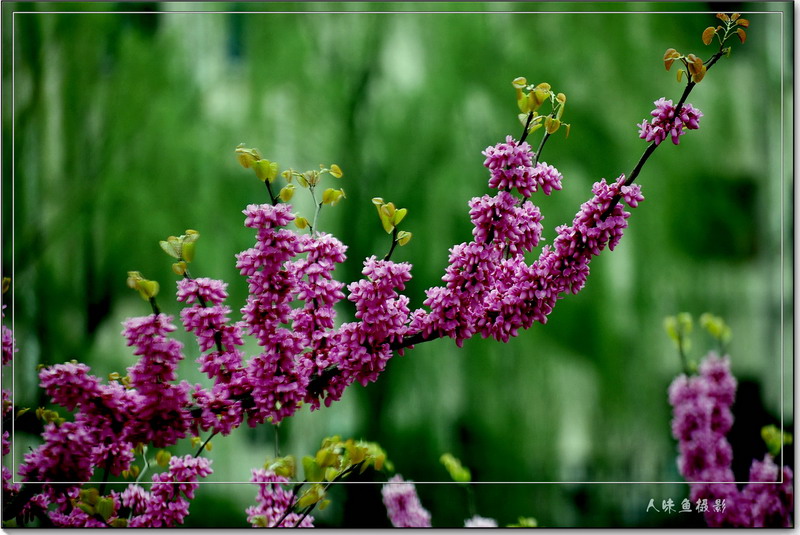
701	420
167	502
403	505
273	503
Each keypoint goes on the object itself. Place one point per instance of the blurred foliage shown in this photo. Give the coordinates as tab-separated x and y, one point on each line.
123	128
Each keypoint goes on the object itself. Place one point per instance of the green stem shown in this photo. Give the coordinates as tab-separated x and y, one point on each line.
316	210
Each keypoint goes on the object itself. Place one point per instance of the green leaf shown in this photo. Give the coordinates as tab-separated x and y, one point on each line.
105	507
163	457
187	251
312	495
453	466
328	196
266	170
403	237
90	495
282	466
311	469
246	157
774	439
170	247
524	522
399	215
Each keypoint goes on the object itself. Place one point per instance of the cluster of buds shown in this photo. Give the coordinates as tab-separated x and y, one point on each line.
531	97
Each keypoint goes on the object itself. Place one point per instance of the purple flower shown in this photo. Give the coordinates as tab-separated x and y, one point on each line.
701	419
167	505
403	505
665	122
69	384
498	220
510	166
64	456
9	347
160	414
546	178
210	290
273	502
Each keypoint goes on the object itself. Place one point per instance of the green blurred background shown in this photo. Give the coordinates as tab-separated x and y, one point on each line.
122	132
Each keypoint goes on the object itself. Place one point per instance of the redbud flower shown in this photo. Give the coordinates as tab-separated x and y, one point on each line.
273	502
666	122
403	505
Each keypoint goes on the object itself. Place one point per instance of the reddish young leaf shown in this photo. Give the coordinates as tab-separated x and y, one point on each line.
723	17
742	35
743	22
708	35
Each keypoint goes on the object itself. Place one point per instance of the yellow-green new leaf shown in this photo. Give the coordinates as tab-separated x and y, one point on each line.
90	496
266	170
187	251
171	246
247	156
105	507
328	196
301	222
551	125
286	193
336	171
314	494
399	215
403	237
163	457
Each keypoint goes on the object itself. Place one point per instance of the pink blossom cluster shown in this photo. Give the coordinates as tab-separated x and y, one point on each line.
167	502
9	348
667	121
701	420
110	419
8	345
273	502
403	505
208	319
165	505
511	167
491	290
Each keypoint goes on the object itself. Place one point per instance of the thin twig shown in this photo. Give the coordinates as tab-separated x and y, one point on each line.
203	445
